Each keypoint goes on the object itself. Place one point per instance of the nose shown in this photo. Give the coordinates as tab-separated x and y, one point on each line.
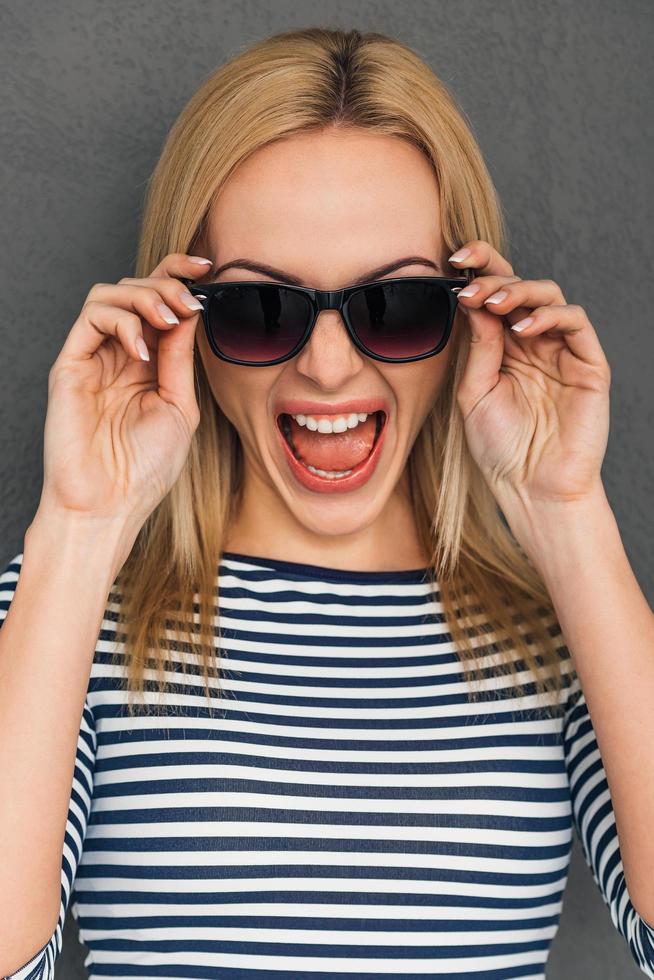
330	358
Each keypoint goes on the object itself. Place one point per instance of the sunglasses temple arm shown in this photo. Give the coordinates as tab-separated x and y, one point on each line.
188	283
468	274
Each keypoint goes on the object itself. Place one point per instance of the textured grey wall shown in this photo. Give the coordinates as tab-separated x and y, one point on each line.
559	97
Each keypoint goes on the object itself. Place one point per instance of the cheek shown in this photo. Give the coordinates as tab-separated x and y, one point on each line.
242	393
227	382
418	386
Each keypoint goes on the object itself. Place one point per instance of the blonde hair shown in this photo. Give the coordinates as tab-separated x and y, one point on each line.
298	81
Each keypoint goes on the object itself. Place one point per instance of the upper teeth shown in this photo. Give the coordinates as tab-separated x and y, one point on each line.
339	424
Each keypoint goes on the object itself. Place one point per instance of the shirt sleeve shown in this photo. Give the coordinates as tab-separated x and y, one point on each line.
41	964
595	824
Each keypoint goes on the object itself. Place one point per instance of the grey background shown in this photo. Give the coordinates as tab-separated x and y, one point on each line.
559	98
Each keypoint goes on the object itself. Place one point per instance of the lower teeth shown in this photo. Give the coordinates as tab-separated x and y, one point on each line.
330	474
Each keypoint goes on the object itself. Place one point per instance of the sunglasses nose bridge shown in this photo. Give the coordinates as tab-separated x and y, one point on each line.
329	299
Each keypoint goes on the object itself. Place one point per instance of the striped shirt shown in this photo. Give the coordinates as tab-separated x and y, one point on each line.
348	812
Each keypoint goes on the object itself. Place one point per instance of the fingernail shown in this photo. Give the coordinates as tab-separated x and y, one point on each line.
469	291
142	349
463	253
166	313
497	297
521	324
199	260
189	300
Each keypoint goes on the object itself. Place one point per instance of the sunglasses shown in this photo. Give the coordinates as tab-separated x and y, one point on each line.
264	323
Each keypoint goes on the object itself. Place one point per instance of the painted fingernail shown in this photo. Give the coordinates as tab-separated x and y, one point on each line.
497	297
463	253
189	300
469	291
521	324
142	349
166	313
198	260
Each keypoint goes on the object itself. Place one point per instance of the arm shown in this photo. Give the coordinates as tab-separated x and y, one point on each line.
594	820
42	963
534	397
51	617
609	630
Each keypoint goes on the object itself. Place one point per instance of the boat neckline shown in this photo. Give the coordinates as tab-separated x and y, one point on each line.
310	571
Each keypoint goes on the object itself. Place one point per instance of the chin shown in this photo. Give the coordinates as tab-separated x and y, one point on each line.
335	521
337	514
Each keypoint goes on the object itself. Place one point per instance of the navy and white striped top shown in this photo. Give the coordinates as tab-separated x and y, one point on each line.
351	814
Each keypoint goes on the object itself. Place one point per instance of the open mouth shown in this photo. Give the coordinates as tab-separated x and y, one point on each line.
284	423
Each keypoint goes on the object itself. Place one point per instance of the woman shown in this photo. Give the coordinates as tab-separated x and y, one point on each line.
384	528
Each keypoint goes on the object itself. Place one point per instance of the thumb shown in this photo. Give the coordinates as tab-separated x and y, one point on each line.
175	367
482	370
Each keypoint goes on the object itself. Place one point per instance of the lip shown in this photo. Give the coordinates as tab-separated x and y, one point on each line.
296	406
361	473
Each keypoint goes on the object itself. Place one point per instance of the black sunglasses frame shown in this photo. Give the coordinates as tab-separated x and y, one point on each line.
336	299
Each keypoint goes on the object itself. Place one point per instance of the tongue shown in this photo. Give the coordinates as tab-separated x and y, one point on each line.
334	450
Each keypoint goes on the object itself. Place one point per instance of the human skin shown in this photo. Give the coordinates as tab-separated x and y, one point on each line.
327	207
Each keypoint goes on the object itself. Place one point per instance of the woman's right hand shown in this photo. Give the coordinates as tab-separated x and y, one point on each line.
118	428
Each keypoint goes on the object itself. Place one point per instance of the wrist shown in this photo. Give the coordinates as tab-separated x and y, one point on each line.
100	545
552	533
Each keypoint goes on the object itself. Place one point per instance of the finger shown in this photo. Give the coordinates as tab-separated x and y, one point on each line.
98	321
180	265
143	300
484	360
173	354
146	301
571	322
472	297
176	368
524	292
480	255
162	301
481	287
516	297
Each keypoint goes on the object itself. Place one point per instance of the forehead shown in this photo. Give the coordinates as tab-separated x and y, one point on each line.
328	202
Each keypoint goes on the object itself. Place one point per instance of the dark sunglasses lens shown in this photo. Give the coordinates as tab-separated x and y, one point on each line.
403	319
257	322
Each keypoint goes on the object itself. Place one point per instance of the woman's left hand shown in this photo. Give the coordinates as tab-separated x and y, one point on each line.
535	403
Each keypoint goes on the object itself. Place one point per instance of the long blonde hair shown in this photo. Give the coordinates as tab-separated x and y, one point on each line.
494	603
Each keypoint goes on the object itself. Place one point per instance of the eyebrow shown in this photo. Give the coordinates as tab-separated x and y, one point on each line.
267	270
